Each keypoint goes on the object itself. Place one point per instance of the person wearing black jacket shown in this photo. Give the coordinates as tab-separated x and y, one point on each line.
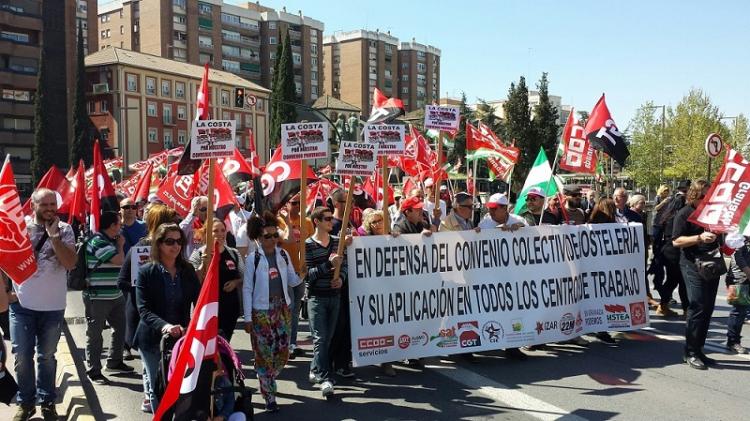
165	290
694	243
739	273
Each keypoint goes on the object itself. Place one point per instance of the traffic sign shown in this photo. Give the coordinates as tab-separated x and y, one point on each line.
714	145
251	100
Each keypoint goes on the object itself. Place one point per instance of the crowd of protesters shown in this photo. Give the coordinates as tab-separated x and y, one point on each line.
264	280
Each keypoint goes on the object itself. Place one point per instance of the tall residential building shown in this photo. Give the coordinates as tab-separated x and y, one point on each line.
356	62
27	26
238	39
555	100
418	74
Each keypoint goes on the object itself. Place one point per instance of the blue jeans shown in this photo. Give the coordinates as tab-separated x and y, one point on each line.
734	323
151	359
324	312
297	293
701	297
40	330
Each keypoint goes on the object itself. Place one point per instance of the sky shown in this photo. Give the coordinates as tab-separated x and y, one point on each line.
632	50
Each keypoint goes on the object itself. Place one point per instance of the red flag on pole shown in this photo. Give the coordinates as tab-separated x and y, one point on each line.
55	181
77	194
254	160
603	133
577	153
18	256
143	188
199	345
102	193
186	165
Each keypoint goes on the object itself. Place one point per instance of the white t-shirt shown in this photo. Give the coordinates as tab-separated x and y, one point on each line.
429	206
487	222
47	288
242	240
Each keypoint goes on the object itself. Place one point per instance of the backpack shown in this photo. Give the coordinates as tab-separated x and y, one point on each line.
77	276
257	261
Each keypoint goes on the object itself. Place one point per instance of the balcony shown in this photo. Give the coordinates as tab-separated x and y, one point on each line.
168	120
295	34
253	42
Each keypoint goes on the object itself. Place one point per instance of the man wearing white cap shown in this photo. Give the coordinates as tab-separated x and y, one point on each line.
535	213
498	215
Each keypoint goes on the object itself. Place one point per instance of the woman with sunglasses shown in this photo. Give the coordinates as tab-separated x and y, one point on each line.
231	270
265	293
165	290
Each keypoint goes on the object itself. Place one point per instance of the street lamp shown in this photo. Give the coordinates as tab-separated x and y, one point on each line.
663	130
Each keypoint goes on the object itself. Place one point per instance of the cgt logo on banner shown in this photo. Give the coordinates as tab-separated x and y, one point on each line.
413	297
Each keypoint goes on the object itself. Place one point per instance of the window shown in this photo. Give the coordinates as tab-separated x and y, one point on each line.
273	55
314	89
271	25
180	36
204	8
151	109
166	88
314	49
17	124
230	50
205	41
179	54
404	65
421	67
272	40
82	6
259	104
230	19
15	36
122	29
205	23
150	85
90	107
404	78
179	90
181	112
314	75
314	61
103	34
16	95
204	58
108	33
167	114
230	35
313	32
168	139
421	55
388	49
179	3
405	90
23	65
181	137
104	106
226	115
225	98
153	135
230	66
180	19
297	58
249	121
248	23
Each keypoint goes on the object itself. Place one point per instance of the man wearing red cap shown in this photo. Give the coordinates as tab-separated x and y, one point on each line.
413	221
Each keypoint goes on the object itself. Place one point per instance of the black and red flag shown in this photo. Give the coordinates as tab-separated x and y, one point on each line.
603	134
384	109
189	389
186	165
224	197
235	168
281	181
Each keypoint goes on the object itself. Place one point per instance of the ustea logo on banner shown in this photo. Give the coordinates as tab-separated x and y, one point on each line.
493	332
638	313
446	338
617	315
469	334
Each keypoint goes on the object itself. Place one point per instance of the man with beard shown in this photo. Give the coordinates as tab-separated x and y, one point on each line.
576	216
535	213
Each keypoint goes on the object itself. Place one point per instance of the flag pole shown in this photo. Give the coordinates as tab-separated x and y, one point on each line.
435	183
208	225
386	181
344	225
302	214
551	176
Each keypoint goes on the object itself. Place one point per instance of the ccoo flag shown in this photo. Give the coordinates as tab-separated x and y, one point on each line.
18	259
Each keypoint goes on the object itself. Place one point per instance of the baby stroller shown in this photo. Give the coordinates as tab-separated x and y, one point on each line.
228	365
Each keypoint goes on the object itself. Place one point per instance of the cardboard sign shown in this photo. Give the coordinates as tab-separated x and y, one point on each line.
212	139
388	137
357	159
441	118
304	141
139	256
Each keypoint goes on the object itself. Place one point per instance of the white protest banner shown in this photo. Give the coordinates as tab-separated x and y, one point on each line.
357	158
212	139
457	292
388	137
139	256
304	141
441	118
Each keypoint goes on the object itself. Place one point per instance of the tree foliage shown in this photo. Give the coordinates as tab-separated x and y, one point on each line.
82	145
518	128
545	127
459	149
42	152
646	153
283	93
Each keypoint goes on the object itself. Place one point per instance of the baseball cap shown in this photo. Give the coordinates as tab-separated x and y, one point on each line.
397	192
411	203
428	182
496	200
535	191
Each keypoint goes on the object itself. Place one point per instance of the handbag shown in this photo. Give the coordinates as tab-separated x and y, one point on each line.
710	264
8	387
742	295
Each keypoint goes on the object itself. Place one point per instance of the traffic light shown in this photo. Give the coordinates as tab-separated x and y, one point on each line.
239	97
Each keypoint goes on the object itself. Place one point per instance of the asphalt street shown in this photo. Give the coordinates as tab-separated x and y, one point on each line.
641	377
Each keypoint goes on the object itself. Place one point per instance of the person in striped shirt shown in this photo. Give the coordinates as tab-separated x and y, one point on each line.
103	300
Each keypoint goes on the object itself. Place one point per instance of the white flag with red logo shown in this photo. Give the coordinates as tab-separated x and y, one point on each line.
18	256
254	160
192	368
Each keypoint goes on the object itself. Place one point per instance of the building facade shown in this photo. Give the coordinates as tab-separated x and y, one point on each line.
142	104
418	75
562	110
27	27
238	39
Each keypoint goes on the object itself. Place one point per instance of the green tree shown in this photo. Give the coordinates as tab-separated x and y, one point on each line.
486	114
739	135
82	146
646	146
459	148
42	152
283	93
583	117
518	128
545	127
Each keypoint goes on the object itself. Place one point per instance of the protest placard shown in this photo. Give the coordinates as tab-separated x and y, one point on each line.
388	137
212	139
457	292
356	159
304	141
441	118
139	256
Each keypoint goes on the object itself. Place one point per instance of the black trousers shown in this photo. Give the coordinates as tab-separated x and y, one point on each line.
702	296
673	280
341	344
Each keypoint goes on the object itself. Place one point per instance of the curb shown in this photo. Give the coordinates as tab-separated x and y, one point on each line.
73	402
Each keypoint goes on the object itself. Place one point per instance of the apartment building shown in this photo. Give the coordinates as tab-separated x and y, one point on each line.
142	103
356	62
238	39
25	26
418	74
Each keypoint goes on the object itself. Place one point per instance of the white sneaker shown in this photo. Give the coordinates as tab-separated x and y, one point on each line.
313	377
326	388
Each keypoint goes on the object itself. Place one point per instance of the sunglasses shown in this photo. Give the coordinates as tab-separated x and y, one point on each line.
341	201
129	207
530	198
327	218
172	241
203	209
294	203
467	206
377	221
270	236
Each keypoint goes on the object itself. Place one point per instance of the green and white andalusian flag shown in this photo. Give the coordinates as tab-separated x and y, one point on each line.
540	176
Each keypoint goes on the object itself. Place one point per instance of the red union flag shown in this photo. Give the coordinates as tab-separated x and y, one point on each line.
18	257
725	207
577	155
176	192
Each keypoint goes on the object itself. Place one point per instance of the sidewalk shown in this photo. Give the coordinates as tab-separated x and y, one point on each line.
71	399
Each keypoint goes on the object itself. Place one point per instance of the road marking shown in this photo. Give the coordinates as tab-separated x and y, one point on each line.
669	336
512	398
